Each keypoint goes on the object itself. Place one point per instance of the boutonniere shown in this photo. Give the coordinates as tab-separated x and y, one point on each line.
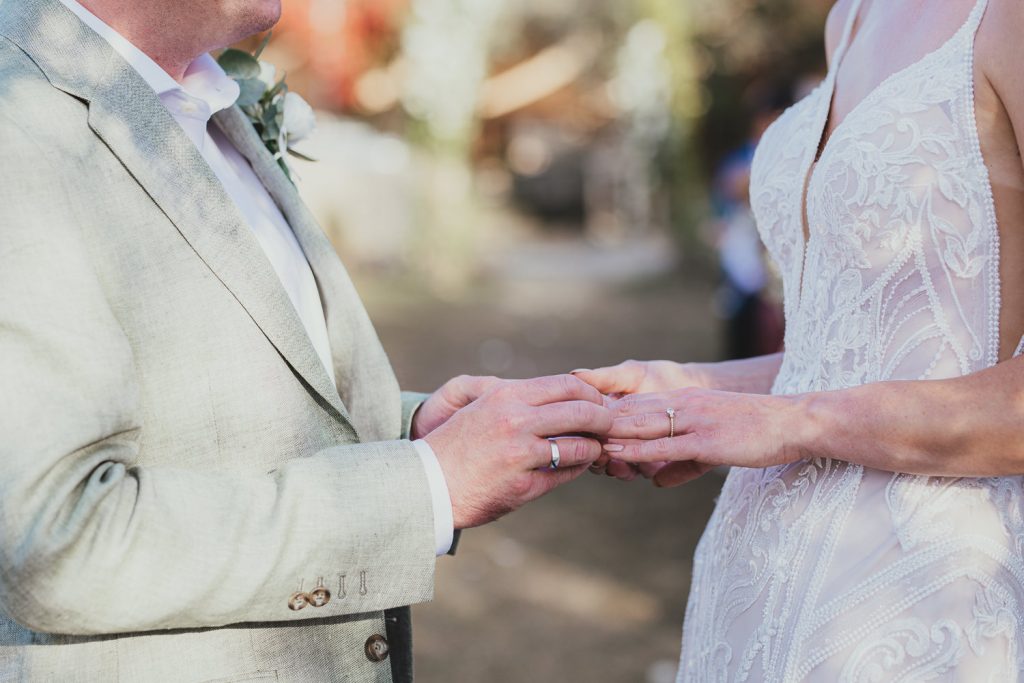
282	118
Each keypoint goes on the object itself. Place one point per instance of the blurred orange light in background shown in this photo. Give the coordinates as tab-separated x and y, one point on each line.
338	41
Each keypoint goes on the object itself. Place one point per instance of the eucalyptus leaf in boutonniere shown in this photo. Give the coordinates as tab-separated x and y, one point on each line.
281	118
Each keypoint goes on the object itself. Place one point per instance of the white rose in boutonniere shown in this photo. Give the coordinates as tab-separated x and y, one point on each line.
268	74
281	118
299	118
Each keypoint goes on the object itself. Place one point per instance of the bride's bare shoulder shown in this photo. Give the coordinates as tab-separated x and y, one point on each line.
835	24
1000	53
1000	32
1004	20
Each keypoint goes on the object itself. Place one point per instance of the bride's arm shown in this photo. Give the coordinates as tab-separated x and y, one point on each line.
970	426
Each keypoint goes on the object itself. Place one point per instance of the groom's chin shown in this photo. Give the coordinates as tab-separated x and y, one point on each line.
268	13
256	16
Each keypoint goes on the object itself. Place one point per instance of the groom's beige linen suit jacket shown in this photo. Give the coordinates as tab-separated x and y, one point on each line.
175	461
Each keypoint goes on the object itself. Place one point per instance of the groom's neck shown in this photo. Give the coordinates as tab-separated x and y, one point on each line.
175	32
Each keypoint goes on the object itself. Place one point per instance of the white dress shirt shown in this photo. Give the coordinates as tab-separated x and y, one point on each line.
203	91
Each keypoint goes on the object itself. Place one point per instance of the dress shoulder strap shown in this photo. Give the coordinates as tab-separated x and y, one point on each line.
974	20
844	43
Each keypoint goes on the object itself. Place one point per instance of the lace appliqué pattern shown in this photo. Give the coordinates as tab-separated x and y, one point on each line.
825	570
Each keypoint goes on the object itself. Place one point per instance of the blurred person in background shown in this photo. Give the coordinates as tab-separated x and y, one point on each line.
753	321
871	525
744	275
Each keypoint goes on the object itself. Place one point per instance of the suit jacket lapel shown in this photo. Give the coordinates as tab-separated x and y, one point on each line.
355	348
128	116
318	250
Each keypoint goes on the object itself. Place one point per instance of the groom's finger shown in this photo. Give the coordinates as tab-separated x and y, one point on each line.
545	390
467	388
570	417
619	379
552	479
684	447
573	451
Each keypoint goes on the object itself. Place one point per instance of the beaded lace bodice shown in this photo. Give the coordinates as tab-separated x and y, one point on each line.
825	570
901	270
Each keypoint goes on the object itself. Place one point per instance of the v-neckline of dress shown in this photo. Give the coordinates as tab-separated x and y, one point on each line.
824	139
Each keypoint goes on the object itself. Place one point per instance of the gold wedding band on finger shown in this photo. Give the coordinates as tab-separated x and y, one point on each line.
556	457
671	412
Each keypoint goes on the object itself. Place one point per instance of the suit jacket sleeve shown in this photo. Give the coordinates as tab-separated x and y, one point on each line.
411	402
94	541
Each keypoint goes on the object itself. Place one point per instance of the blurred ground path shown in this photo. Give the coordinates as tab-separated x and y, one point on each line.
588	584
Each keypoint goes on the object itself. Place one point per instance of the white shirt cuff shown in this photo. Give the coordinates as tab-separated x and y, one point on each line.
444	519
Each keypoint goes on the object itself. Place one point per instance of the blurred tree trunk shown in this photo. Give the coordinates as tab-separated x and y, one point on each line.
446	50
677	160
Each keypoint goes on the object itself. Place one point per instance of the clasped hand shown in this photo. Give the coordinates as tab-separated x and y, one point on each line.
492	436
669	426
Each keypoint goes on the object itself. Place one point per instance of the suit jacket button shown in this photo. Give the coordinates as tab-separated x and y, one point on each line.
377	648
319	597
298	601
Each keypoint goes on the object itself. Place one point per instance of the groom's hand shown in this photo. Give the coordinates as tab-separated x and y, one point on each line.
455	395
495	452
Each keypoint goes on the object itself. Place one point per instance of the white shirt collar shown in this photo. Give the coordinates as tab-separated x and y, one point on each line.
204	81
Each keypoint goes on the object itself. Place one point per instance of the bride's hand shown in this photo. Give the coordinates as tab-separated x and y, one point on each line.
640	377
646	377
711	428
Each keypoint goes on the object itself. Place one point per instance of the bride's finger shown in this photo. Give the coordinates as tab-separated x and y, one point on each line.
685	447
678	473
649	470
648	426
619	379
621	470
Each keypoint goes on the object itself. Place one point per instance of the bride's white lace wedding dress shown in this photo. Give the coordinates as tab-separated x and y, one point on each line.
828	571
